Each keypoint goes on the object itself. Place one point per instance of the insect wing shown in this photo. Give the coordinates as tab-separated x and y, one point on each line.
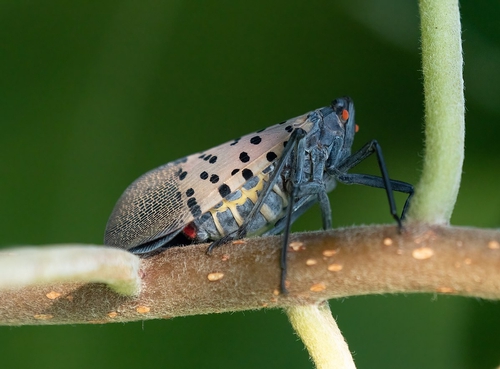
164	200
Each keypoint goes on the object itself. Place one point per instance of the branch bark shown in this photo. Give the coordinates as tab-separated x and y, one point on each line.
245	275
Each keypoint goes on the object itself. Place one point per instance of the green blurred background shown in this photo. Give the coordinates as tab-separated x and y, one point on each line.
93	94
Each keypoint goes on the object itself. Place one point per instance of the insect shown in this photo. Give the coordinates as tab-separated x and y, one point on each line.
258	184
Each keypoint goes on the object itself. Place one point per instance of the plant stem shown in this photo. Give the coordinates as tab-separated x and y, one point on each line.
315	325
442	62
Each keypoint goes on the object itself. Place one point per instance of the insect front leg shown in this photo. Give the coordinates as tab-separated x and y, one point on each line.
381	182
378	182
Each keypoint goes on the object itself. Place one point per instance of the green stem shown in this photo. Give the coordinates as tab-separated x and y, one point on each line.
442	62
315	325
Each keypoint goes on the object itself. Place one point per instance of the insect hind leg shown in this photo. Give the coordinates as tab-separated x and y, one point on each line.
221	241
170	240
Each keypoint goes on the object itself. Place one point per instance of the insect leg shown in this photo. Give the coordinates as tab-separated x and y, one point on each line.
295	138
363	153
284	245
378	182
315	190
296	178
306	194
316	187
356	158
155	244
300	207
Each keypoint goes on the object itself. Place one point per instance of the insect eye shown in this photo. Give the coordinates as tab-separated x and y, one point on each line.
344	115
340	106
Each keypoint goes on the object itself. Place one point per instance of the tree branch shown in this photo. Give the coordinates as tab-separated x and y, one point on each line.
245	275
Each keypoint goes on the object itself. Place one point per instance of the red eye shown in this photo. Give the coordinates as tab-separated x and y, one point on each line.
345	115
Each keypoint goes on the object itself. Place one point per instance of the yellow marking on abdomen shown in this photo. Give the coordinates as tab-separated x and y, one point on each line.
252	195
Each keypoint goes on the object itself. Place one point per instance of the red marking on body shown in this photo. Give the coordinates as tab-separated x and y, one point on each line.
356	128
190	231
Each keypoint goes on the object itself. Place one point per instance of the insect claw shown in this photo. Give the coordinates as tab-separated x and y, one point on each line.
400	224
213	245
283	289
210	248
219	243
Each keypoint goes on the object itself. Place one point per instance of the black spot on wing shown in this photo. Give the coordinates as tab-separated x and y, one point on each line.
224	190
270	156
255	140
194	208
244	157
214	178
234	171
195	211
247	174
203	175
189	192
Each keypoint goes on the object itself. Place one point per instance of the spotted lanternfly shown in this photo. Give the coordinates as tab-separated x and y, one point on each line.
254	185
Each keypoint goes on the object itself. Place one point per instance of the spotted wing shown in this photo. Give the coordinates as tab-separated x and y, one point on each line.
169	197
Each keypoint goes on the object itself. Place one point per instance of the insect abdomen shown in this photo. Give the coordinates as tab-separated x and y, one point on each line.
228	215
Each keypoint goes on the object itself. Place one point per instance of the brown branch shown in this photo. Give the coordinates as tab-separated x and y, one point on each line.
245	275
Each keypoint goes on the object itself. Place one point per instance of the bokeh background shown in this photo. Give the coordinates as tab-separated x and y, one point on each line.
93	94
